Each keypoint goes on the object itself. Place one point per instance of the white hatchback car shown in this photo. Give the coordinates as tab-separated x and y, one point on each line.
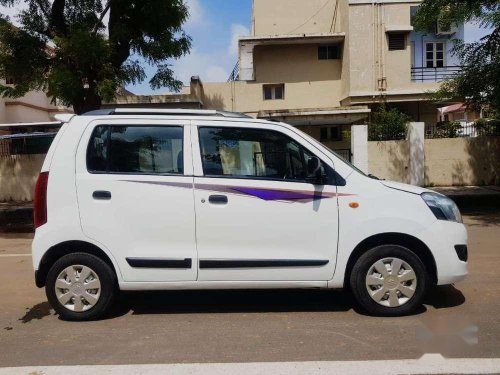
137	199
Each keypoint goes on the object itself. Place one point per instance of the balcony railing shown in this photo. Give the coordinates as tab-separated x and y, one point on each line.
421	74
235	74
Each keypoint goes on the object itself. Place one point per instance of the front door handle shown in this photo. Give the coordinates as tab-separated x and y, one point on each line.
101	195
217	199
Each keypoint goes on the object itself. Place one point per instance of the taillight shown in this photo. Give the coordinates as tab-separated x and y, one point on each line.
40	201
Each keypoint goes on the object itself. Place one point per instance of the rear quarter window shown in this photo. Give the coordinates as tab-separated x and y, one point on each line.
136	150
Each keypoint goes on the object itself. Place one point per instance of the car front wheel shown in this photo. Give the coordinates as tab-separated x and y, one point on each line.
389	280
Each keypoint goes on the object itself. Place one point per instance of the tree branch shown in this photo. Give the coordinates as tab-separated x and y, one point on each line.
103	14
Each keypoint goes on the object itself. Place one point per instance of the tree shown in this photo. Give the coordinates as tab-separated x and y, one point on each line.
478	81
388	124
64	48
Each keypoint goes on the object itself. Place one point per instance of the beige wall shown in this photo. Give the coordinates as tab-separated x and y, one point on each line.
21	113
369	58
462	161
294	63
18	176
448	162
346	54
309	82
247	97
35	106
389	160
295	17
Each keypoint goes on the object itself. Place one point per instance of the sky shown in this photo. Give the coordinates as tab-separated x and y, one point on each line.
214	26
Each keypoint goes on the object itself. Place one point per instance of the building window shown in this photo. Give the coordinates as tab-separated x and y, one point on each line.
331	133
434	55
329	52
397	41
274	92
9	81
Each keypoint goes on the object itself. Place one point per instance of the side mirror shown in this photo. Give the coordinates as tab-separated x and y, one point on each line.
314	173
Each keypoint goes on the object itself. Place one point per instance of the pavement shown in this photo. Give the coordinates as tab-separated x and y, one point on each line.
428	364
286	328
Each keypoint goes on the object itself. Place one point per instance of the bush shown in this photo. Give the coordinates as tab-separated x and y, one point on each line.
449	129
388	125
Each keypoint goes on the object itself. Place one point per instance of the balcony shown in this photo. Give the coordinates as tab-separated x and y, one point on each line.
248	44
421	74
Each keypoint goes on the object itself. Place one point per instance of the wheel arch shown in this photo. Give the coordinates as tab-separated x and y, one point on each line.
64	248
415	245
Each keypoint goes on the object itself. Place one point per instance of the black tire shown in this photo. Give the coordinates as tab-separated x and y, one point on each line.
363	265
106	277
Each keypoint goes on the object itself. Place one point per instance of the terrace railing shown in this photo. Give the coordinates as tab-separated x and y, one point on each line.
421	74
235	74
459	129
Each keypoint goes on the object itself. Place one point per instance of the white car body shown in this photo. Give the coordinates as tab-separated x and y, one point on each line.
167	218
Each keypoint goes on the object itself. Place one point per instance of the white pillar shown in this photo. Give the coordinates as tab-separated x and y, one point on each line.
359	146
246	50
416	137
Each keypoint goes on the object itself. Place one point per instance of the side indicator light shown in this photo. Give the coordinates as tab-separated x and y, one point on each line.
354	204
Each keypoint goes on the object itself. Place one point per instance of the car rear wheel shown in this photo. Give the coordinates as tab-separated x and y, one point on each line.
389	280
80	287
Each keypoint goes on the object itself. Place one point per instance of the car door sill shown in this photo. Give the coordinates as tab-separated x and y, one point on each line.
221	285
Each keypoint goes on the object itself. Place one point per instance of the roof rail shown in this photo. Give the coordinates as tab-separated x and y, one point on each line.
165	112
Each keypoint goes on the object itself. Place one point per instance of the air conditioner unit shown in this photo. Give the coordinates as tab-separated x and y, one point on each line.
446	30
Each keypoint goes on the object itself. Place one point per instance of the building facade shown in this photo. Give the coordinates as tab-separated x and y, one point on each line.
324	65
35	106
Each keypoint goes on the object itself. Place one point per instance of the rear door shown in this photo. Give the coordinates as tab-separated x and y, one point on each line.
257	219
135	195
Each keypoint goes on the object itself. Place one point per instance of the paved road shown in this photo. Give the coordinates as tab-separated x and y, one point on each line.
252	326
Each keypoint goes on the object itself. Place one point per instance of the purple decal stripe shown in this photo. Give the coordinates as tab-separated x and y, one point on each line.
271	194
170	184
303	196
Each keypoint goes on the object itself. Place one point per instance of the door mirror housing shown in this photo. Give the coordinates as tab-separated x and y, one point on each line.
314	172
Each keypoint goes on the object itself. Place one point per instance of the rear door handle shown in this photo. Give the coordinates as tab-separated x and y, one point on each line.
218	199
101	195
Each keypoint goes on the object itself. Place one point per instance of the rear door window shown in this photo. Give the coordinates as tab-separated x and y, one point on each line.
136	150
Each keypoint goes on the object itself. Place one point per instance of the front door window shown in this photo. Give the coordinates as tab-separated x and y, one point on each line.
253	154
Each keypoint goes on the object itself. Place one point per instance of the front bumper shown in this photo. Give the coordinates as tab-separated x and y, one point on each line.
442	238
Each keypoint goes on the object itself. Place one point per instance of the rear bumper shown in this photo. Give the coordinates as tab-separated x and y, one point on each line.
442	238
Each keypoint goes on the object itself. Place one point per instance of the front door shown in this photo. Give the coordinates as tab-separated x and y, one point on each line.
135	194
257	219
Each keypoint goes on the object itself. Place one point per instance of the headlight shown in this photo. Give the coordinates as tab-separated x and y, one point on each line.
442	207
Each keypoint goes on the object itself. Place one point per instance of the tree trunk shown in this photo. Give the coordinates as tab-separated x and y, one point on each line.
90	102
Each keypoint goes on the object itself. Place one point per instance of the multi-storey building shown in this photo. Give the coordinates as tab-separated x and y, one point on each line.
323	65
